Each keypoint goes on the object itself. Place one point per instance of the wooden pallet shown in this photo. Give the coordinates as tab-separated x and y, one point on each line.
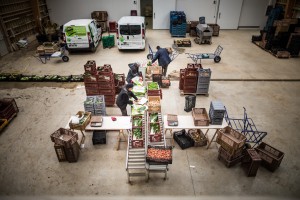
7	122
182	93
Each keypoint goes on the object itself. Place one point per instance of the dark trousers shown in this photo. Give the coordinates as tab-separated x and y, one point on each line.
164	70
124	111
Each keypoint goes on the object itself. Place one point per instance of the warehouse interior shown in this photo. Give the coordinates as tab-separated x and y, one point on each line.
249	76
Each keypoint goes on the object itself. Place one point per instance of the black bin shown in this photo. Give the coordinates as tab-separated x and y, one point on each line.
190	102
99	137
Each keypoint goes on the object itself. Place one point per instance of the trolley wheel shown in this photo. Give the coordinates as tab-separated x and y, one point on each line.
65	58
217	59
149	56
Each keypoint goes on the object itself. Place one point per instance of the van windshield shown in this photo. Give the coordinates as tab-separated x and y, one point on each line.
130	29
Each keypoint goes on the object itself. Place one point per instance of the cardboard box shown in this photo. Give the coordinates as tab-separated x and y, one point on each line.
154	70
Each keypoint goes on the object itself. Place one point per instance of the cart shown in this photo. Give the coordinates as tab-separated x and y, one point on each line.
175	52
63	54
247	127
216	55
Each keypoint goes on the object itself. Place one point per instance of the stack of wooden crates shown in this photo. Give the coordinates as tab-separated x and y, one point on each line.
101	19
65	145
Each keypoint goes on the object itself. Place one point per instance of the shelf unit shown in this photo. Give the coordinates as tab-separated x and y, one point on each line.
21	18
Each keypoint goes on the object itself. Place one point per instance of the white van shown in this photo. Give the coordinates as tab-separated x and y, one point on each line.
82	34
131	33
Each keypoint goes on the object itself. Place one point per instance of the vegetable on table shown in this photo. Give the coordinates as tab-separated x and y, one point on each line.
154	128
137	122
153	117
153	86
159	154
137	133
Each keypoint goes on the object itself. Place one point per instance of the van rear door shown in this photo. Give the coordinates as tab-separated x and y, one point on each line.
131	36
76	37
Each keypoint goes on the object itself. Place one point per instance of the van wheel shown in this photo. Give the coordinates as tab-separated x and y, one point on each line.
93	48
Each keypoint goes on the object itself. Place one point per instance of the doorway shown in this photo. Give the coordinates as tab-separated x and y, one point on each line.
147	12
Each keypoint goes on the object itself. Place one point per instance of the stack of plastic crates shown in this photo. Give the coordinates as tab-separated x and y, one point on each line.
216	112
95	105
108	41
203	81
89	104
99	105
178	24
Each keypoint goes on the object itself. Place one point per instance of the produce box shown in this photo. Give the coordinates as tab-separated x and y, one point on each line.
84	117
271	157
200	117
155	132
232	138
159	154
154	104
198	137
153	69
137	137
153	89
64	137
137	121
90	67
138	109
139	90
182	139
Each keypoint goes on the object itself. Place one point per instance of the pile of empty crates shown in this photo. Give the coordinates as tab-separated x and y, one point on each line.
203	81
100	81
216	112
188	78
232	145
177	24
101	19
66	145
95	105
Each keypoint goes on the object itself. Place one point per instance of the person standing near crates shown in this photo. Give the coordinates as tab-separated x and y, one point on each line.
133	72
123	98
162	55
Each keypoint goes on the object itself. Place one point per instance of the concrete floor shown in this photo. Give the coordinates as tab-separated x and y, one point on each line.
29	165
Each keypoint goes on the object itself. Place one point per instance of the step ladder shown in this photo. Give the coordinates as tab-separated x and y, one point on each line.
155	167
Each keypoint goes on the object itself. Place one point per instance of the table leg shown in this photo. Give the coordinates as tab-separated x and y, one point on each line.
206	132
171	133
82	139
121	134
212	139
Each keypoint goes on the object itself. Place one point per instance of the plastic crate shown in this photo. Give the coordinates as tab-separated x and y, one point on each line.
107	78
157	78
60	152
182	139
203	86
90	67
64	137
231	137
99	15
251	162
107	91
270	156
72	153
216	121
99	137
200	117
91	91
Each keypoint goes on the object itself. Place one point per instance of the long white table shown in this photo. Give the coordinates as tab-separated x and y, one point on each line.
187	122
122	123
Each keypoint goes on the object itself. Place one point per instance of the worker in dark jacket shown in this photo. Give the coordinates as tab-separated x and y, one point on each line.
133	72
123	98
164	59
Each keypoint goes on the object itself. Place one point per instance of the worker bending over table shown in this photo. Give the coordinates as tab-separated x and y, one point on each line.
123	98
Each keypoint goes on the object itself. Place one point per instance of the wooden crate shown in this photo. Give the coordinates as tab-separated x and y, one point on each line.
231	137
200	117
270	156
82	125
154	104
251	162
198	136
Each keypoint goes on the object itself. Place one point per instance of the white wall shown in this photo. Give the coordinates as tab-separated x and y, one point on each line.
62	11
197	8
253	13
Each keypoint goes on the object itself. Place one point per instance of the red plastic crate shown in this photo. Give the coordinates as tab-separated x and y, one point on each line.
112	26
107	92
90	67
90	78
105	85
91	85
92	91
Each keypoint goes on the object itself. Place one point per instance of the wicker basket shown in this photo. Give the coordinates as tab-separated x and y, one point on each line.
198	136
200	117
64	137
82	125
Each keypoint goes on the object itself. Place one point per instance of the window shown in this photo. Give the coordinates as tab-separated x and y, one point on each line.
130	29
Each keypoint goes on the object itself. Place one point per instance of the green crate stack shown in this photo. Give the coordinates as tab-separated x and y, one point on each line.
108	41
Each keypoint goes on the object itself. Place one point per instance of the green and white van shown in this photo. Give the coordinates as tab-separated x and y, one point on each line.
131	33
82	34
